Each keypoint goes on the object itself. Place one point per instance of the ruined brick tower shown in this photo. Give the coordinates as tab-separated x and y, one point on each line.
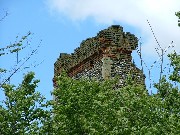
102	57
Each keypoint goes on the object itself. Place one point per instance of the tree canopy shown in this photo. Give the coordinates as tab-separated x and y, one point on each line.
22	112
92	107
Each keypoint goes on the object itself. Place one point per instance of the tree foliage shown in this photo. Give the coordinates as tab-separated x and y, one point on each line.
178	15
22	111
92	107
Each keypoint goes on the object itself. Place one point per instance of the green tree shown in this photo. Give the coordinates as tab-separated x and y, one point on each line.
93	107
22	111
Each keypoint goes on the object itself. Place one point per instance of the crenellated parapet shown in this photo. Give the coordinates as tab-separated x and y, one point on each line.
90	59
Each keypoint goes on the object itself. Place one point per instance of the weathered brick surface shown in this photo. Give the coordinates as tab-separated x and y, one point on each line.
106	55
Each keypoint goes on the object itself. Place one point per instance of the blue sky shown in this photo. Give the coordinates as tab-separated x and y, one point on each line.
63	24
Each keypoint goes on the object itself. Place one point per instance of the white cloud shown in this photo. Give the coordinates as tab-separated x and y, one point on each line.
160	13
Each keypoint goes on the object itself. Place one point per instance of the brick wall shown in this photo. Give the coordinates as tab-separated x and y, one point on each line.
101	57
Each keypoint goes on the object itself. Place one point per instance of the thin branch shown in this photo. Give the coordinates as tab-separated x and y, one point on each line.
6	14
32	53
154	34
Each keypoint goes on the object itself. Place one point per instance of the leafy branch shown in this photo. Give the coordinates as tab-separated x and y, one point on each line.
15	47
178	15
